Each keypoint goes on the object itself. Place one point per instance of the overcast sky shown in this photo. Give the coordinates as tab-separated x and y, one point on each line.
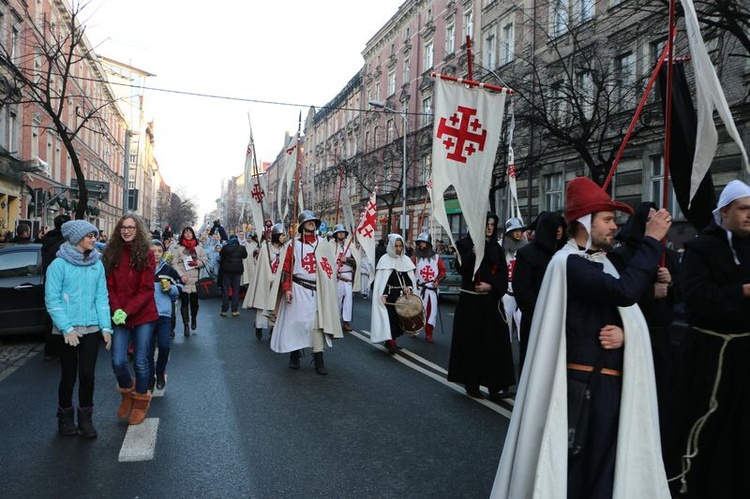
298	52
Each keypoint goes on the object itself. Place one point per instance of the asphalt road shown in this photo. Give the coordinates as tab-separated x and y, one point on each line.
235	421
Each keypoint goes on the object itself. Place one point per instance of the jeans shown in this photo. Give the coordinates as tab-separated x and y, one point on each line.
233	281
81	361
161	336
141	338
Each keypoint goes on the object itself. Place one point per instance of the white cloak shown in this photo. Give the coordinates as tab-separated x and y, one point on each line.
380	327
534	462
263	291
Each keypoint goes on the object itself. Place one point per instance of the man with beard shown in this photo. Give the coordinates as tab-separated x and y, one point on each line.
590	313
346	273
513	240
480	348
715	411
430	270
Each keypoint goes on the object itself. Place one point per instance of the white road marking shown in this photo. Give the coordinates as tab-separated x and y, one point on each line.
436	377
140	441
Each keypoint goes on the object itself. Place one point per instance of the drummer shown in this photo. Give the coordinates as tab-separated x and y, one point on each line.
394	277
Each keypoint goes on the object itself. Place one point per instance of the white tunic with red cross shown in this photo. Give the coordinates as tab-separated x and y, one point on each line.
427	271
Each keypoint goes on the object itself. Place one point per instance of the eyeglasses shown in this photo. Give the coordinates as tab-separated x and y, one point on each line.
125	228
91	235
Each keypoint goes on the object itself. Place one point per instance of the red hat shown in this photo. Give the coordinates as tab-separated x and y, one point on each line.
584	197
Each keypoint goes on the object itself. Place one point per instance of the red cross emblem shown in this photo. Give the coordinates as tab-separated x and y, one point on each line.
512	170
427	274
308	263
275	266
511	267
462	135
257	193
249	150
367	226
326	266
429	184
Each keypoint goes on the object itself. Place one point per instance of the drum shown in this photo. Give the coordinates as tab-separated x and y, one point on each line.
410	313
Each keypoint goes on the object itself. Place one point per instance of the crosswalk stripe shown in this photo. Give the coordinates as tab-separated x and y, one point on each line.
140	441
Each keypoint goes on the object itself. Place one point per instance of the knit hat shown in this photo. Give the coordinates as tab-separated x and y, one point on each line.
734	190
75	230
584	197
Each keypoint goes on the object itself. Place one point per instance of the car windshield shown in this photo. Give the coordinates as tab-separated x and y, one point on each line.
18	264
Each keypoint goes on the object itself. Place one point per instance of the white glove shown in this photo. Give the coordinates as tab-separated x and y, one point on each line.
72	337
107	339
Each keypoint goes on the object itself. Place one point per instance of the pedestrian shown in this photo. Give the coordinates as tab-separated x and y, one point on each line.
346	273
530	266
430	270
23	234
365	273
75	294
576	360
263	291
231	266
188	258
217	228
512	241
394	277
167	286
51	243
714	409
251	245
480	348
308	314
379	251
130	266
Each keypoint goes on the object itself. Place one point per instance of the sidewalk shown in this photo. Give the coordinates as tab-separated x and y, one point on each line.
16	352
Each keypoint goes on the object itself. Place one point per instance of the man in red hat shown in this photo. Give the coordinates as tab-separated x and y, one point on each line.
608	445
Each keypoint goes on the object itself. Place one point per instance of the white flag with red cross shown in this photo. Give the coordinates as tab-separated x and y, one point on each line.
365	232
468	123
286	179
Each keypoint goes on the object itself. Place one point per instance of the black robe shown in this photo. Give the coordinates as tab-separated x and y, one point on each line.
713	295
480	347
395	279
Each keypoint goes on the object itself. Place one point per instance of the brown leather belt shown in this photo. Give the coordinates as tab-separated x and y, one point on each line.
588	369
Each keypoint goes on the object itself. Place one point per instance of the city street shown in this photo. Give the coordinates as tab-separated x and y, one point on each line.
235	421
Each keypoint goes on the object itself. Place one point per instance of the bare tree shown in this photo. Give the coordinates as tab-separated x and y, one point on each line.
182	213
44	69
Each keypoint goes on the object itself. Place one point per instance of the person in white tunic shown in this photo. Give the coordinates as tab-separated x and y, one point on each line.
346	273
364	273
263	291
513	240
308	314
430	271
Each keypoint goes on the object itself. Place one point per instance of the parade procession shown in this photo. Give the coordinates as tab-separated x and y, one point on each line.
483	269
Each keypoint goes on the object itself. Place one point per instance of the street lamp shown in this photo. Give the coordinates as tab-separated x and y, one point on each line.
378	104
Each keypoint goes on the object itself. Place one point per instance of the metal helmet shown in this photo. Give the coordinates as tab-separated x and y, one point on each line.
307	216
513	223
339	228
277	229
425	238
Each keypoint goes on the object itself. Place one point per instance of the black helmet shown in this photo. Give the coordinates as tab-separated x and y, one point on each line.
425	238
339	228
277	229
307	216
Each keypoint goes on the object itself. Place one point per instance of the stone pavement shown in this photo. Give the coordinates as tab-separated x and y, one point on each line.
14	352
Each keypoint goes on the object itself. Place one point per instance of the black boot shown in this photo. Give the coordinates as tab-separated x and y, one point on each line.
294	359
320	366
66	421
258	333
184	313
194	321
85	425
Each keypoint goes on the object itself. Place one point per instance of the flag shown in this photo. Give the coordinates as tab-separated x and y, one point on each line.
346	208
709	96
682	150
286	179
255	193
515	207
468	123
365	232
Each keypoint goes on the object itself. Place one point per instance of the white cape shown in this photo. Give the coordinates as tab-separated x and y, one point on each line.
534	462
380	327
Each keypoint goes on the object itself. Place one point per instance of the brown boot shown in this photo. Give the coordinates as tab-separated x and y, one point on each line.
123	412
141	402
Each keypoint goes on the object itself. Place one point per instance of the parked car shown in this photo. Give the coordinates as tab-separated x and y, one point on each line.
451	283
22	307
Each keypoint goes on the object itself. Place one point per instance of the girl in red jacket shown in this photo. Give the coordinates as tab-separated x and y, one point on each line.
129	266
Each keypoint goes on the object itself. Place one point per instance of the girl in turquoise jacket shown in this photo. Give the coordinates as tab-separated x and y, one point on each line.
75	293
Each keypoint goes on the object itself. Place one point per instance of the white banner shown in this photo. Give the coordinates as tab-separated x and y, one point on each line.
468	123
346	209
365	232
286	177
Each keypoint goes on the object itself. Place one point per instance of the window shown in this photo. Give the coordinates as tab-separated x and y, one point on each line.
376	137
407	34
553	192
392	82
468	24
655	50
393	49
405	76
625	79
427	110
450	36
390	130
585	84
559	17
428	54
489	54
425	170
657	188
509	43
19	264
585	10
557	102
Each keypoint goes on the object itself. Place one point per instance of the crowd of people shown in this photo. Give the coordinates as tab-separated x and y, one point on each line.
600	398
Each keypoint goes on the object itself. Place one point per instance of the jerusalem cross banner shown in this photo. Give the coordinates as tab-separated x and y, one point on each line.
365	231
468	122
